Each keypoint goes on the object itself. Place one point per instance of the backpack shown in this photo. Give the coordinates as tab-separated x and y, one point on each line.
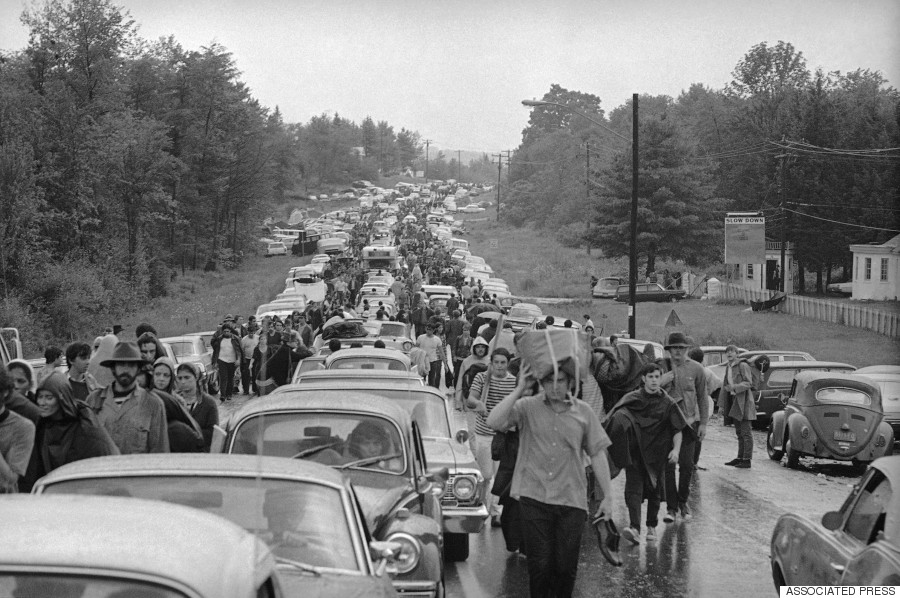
469	377
758	365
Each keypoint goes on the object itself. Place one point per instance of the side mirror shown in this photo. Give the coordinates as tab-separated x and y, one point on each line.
832	520
462	436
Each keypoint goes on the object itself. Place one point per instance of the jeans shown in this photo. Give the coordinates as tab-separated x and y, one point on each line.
552	536
226	378
245	375
434	374
488	467
745	438
637	487
678	494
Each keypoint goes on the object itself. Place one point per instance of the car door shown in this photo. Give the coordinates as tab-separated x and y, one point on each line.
878	562
863	524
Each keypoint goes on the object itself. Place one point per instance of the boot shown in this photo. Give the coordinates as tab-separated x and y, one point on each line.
733	462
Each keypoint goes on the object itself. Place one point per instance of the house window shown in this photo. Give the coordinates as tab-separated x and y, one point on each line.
749	271
884	268
868	273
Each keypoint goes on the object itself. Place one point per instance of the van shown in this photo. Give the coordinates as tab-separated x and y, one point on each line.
459	244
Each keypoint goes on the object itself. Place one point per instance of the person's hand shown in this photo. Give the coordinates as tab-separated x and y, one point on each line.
726	387
605	510
701	432
524	377
673	456
667	378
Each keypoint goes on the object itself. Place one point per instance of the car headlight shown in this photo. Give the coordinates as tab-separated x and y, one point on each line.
464	488
407	346
408	556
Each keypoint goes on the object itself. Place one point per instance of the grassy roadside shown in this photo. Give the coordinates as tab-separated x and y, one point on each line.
537	265
199	300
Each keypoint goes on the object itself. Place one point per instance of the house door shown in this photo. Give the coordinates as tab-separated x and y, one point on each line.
773	275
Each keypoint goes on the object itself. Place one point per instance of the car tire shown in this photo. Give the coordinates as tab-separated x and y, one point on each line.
860	466
456	547
774	454
793	457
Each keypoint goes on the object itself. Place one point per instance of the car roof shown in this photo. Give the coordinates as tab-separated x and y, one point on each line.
350	376
879	369
368	352
808	365
196	464
107	535
292	397
817	379
180	339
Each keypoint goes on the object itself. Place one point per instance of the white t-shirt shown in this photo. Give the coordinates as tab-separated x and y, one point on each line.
226	351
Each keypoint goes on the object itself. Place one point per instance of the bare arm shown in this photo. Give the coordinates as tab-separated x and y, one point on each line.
499	418
676	448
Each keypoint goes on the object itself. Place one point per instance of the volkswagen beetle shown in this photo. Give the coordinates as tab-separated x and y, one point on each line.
830	415
858	545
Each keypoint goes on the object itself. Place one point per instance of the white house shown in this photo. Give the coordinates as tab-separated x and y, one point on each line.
767	276
876	271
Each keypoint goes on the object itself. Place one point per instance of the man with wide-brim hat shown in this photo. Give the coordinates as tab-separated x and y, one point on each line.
134	417
685	381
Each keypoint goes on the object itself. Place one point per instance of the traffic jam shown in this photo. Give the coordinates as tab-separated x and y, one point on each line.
409	426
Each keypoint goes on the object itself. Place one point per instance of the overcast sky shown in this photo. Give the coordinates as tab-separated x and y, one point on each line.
457	70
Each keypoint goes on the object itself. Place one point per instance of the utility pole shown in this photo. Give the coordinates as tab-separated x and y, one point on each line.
500	157
458	166
632	266
587	195
427	143
786	216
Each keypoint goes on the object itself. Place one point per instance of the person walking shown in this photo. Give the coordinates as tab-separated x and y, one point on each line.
227	356
737	384
16	439
645	428
201	406
248	346
68	431
53	358
184	432
78	357
685	381
432	345
487	390
134	417
555	430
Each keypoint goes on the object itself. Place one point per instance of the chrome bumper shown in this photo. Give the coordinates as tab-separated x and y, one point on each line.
465	520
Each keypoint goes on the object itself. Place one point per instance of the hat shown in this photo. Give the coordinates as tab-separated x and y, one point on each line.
229	318
677	339
116	329
124	352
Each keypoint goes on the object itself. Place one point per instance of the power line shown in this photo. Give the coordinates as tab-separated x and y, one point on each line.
841	205
890	230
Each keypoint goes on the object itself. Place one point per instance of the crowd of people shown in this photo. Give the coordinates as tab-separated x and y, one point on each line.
547	446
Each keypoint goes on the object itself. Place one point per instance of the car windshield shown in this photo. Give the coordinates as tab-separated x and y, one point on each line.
301	521
524	311
846	396
367	363
57	584
608	283
335	439
393	329
183	349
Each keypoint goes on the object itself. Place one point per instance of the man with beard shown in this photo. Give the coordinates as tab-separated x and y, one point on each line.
134	417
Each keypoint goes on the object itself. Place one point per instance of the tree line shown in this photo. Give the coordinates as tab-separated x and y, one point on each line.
123	159
817	152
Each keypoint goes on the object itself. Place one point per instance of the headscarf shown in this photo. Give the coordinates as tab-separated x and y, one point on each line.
31	374
171	365
103	375
77	434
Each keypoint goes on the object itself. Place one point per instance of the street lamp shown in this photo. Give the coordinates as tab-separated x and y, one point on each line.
632	265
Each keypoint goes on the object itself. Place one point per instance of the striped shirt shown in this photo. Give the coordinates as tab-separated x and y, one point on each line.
498	389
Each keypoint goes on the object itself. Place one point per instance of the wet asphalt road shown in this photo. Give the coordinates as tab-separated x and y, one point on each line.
722	551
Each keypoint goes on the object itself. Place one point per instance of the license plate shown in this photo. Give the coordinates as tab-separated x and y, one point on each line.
846	436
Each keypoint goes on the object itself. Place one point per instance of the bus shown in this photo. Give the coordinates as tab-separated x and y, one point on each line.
380	258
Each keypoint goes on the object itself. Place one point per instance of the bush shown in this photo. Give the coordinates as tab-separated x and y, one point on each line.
32	325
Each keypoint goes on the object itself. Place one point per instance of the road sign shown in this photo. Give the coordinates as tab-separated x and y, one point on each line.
495	243
745	240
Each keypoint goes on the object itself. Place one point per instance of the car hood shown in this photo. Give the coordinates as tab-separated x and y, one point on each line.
329	584
378	497
444	452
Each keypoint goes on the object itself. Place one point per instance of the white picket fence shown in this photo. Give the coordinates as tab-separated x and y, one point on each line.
823	310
